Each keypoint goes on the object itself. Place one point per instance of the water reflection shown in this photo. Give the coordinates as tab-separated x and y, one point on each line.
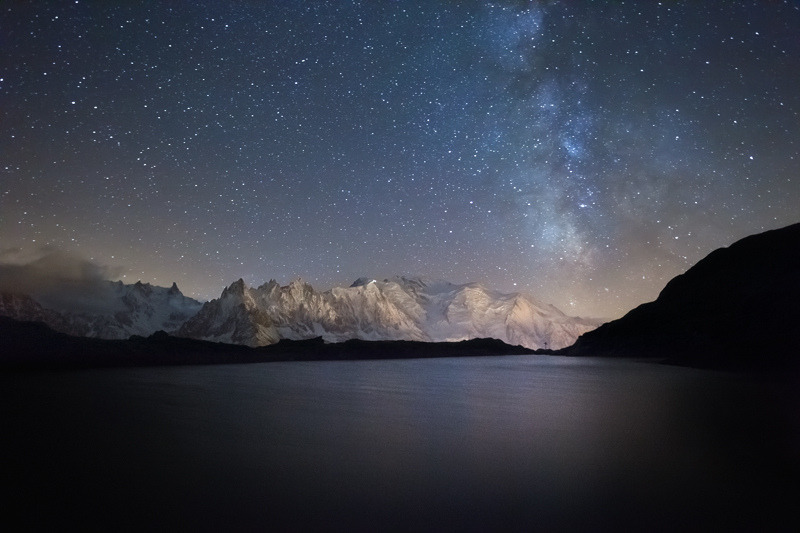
510	442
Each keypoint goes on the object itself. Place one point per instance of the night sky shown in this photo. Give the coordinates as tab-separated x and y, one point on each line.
585	154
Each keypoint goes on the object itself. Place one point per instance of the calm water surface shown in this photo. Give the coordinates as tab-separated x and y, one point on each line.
515	443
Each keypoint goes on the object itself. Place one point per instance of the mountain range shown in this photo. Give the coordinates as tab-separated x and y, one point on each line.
398	309
739	307
411	309
106	310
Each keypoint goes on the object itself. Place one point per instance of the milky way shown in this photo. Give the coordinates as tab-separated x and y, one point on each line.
583	154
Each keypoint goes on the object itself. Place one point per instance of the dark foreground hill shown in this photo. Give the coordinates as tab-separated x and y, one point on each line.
738	308
33	345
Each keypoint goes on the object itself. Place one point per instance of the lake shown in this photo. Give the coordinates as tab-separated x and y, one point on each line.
473	444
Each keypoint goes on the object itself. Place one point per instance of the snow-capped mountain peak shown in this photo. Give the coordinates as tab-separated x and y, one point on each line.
236	288
399	308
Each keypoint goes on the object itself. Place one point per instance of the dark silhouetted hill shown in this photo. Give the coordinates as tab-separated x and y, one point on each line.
738	308
33	345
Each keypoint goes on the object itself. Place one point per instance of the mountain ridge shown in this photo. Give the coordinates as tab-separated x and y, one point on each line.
107	309
400	308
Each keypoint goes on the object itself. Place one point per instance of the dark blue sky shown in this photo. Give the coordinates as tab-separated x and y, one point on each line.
585	154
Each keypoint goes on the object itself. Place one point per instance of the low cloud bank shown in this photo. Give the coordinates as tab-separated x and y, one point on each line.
57	279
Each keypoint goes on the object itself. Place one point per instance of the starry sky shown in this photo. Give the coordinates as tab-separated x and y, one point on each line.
582	152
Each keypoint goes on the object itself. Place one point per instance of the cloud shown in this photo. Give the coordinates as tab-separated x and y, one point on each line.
57	279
